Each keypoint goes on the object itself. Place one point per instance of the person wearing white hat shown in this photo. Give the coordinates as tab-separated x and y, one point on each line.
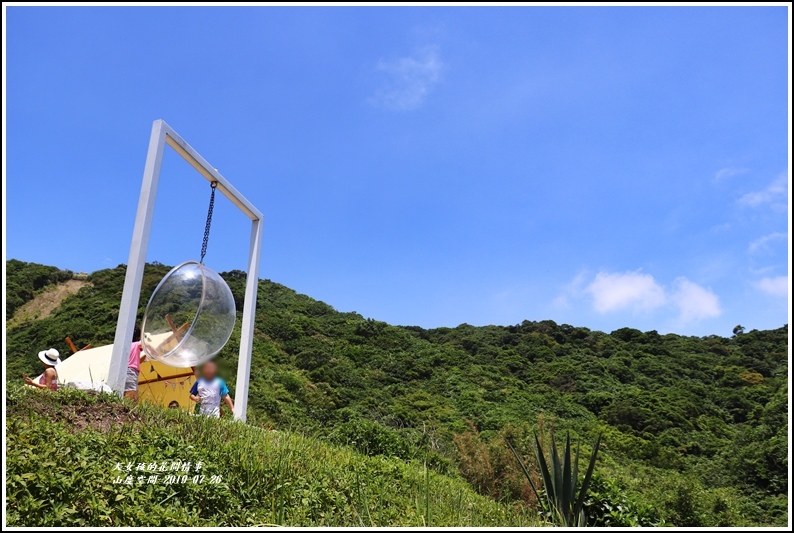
49	379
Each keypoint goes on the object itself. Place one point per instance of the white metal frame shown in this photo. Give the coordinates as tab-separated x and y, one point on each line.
163	134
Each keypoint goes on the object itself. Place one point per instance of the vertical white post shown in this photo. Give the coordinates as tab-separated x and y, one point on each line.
249	313
128	309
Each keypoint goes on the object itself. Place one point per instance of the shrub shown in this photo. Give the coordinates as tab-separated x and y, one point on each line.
607	505
372	438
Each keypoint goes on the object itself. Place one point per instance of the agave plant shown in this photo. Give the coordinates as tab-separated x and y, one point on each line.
563	496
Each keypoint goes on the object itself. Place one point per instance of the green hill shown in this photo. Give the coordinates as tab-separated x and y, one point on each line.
695	429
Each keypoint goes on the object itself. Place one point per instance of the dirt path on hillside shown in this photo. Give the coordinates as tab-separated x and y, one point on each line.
44	303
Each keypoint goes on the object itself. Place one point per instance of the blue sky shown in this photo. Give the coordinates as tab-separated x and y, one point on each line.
602	167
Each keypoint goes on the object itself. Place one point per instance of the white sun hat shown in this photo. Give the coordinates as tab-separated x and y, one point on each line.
50	357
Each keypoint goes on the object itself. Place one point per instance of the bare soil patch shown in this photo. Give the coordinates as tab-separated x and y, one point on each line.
99	416
47	301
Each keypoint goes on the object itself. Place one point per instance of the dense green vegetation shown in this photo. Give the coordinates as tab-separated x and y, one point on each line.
694	429
63	450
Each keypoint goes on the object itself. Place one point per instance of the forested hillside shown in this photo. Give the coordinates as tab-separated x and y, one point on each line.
694	429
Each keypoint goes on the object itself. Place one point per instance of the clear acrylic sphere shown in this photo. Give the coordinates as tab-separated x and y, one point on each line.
189	317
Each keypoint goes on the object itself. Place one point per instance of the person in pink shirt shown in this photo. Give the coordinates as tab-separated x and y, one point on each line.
134	366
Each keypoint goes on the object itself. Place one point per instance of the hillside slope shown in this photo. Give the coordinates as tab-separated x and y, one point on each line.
46	301
25	280
695	428
249	476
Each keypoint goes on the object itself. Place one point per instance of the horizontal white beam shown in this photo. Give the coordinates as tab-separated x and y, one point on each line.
209	172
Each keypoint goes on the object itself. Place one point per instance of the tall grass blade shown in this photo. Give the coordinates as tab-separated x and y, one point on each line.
427	497
525	470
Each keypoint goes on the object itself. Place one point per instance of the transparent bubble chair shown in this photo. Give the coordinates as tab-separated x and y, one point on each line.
189	318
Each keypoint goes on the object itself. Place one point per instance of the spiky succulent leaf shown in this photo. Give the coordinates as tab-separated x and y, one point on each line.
548	485
587	476
575	474
556	474
568	484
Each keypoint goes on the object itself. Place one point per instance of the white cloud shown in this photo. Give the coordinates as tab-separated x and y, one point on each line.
719	228
408	80
640	292
774	192
571	290
693	301
729	172
625	290
776	286
762	270
761	244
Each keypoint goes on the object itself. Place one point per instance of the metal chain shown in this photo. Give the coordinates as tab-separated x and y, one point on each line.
214	184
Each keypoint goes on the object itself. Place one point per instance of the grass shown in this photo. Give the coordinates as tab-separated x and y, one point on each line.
62	449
